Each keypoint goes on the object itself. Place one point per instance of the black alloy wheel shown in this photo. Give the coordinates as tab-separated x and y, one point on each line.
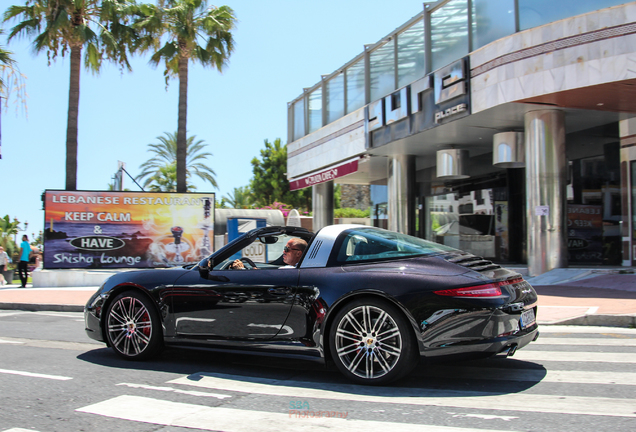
372	342
132	326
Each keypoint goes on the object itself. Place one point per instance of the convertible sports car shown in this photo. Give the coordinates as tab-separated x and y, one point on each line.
373	302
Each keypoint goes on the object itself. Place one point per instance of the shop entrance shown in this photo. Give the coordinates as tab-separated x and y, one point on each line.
594	209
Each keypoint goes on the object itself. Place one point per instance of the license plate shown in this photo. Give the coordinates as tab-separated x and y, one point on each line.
527	318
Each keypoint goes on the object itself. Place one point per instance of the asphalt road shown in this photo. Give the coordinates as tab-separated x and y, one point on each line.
53	378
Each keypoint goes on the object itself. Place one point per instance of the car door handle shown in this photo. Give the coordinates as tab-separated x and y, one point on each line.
219	278
278	291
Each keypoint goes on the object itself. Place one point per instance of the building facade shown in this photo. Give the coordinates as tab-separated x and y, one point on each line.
505	128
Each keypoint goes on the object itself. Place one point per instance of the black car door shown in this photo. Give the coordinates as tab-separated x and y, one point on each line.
233	304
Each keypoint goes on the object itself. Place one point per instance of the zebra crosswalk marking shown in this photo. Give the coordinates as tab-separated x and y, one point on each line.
409	396
565	329
170	389
584	341
489	405
177	414
566	356
533	375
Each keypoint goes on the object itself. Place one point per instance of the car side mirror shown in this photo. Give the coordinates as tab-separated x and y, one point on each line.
268	240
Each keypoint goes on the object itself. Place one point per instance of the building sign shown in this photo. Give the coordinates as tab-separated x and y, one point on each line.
396	105
126	229
324	176
439	115
450	82
375	115
436	99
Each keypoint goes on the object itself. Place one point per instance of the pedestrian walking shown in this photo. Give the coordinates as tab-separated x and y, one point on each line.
23	265
4	260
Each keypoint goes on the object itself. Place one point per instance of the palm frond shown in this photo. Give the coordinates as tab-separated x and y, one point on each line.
165	155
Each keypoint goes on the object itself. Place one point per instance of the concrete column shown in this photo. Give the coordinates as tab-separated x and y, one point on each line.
546	180
322	204
401	194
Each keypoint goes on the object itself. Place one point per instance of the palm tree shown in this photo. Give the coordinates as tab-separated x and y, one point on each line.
164	180
6	61
240	198
158	169
11	80
186	23
62	27
7	230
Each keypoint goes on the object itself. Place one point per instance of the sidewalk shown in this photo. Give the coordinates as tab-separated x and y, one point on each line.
597	297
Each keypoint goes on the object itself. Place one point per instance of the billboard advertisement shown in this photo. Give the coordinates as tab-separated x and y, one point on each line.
94	230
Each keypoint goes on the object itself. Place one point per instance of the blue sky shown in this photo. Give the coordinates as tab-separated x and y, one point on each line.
282	46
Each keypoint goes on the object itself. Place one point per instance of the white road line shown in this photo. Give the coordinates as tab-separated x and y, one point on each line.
586	341
61	314
565	356
563	329
19	430
3	341
35	375
88	289
53	314
414	396
533	375
170	389
176	414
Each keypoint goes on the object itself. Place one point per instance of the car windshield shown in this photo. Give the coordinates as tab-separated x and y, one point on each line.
367	244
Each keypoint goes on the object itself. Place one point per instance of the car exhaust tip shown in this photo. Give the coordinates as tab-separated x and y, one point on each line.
507	351
512	350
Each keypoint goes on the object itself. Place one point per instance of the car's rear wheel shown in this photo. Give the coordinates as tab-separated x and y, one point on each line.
371	342
132	326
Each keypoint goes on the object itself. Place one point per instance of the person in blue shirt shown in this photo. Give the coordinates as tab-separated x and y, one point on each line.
23	265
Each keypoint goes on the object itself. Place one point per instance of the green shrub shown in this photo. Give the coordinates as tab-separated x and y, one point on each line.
351	213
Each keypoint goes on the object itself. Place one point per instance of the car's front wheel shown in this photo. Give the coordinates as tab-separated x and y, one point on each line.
371	342
132	326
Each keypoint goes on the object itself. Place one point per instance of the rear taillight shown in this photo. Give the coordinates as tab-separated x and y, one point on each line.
486	290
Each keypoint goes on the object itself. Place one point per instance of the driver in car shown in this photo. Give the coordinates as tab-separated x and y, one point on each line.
291	254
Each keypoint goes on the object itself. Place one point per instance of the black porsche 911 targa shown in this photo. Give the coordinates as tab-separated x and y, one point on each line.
369	300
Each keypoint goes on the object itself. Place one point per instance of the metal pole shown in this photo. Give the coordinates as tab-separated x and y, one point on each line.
546	172
401	194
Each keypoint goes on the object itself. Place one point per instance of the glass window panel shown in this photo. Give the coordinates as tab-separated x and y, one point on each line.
335	98
464	221
371	244
299	119
355	86
449	33
411	54
534	13
492	20
382	70
315	110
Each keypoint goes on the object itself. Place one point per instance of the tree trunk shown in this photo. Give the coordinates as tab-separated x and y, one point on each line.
72	120
181	130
